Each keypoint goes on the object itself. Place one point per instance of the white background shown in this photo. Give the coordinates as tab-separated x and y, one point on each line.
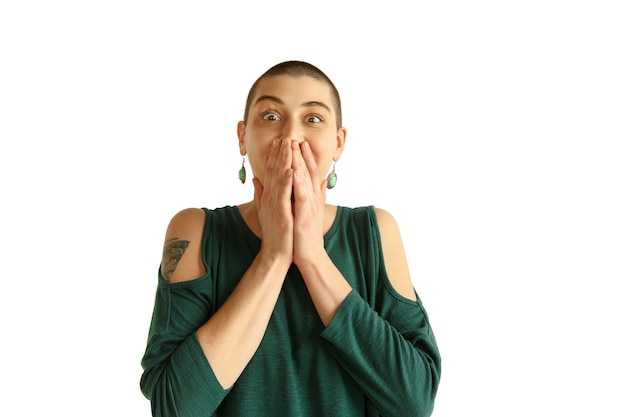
494	131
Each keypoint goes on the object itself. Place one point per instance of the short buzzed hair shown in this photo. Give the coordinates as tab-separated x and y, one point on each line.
296	68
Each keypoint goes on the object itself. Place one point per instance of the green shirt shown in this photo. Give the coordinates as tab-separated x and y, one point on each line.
377	357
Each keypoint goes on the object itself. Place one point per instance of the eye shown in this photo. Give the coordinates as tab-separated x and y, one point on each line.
269	116
314	118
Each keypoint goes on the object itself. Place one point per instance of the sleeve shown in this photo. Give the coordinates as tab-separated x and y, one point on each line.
177	378
397	365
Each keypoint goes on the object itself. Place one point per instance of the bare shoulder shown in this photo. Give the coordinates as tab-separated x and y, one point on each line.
182	249
394	254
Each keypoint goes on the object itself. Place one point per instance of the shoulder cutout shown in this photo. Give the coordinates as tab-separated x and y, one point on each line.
182	250
394	255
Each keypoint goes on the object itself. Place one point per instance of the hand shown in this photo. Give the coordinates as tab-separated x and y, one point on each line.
273	202
309	203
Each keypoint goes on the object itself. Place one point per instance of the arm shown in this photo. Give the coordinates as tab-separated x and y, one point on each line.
189	367
188	376
394	359
328	288
392	354
395	362
232	335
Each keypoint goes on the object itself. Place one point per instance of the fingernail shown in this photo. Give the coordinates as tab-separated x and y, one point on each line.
275	143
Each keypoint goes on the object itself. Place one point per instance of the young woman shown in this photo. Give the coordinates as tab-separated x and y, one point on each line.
286	305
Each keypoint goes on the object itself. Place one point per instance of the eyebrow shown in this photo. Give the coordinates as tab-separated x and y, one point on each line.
305	104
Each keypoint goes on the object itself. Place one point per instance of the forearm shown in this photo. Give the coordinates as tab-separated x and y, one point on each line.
398	370
233	334
399	375
326	285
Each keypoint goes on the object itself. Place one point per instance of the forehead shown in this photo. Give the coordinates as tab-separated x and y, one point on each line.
294	89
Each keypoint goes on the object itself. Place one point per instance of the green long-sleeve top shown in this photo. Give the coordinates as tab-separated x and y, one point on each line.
377	357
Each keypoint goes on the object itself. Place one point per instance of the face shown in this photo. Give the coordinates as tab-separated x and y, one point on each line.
294	108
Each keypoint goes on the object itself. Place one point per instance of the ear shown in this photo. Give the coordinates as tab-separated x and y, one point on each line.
241	134
341	141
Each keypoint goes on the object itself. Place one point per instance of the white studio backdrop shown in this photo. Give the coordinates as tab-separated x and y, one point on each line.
493	131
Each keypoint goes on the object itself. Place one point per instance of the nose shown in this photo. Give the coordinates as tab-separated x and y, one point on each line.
292	130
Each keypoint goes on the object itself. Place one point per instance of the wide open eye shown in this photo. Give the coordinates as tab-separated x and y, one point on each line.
313	118
270	116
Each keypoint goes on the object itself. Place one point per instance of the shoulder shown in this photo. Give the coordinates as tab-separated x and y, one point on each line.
182	249
394	254
187	221
385	220
389	231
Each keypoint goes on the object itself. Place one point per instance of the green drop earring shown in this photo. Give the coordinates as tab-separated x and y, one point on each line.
242	171
331	179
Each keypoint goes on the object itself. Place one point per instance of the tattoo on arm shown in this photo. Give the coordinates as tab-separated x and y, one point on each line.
172	252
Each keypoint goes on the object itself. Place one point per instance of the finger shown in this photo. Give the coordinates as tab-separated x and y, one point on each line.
298	163
309	160
278	171
286	158
302	178
284	170
272	159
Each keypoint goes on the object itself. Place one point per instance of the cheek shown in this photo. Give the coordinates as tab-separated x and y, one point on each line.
257	160
323	159
325	169
257	166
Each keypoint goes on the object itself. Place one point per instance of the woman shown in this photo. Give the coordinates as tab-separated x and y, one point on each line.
286	305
